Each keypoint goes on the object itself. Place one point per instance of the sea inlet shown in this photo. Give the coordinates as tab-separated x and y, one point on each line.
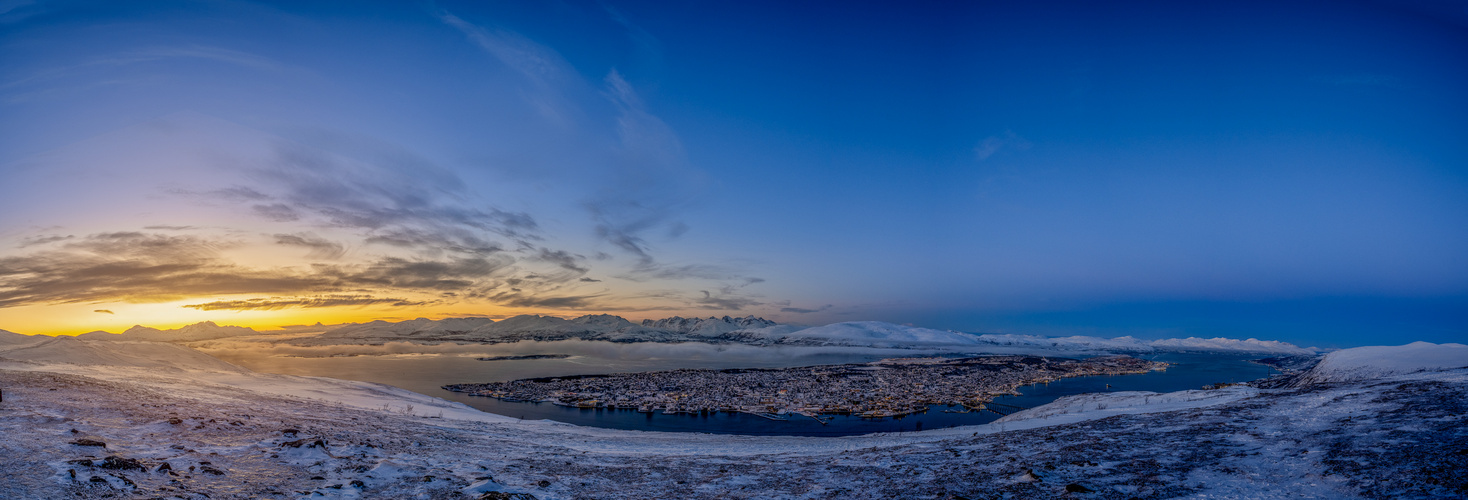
426	374
887	388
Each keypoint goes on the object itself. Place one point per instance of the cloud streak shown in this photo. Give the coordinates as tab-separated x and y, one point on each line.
995	143
319	248
274	303
148	267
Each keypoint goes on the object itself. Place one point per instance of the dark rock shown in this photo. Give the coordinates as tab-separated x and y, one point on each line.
500	495
357	483
307	442
88	442
98	479
87	462
543	483
118	463
317	478
210	470
164	467
175	421
427	479
1076	488
290	432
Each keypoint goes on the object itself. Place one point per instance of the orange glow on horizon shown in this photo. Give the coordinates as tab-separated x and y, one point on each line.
76	319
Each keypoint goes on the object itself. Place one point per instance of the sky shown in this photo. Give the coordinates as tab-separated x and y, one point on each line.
1293	171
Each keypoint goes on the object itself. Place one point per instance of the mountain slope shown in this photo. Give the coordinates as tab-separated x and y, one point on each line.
9	338
1363	363
90	353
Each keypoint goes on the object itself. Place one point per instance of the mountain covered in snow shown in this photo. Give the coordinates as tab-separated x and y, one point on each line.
207	330
748	330
710	326
755	331
602	327
1365	363
9	338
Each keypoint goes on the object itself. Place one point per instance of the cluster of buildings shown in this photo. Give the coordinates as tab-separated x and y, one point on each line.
886	388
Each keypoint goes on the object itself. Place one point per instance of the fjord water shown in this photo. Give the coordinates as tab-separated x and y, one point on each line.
426	374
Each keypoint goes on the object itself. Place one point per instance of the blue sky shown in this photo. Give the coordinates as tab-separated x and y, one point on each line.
1282	170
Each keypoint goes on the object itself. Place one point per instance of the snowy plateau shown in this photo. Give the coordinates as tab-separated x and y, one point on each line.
117	417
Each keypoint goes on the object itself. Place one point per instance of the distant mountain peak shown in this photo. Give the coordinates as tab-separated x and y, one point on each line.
204	330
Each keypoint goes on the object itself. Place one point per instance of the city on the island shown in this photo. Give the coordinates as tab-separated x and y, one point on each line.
880	389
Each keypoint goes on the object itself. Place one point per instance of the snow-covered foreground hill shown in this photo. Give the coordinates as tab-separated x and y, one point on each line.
225	432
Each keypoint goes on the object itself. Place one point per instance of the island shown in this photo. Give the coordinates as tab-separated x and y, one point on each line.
521	357
880	389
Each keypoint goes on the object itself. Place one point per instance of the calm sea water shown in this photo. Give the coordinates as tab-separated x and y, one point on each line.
426	374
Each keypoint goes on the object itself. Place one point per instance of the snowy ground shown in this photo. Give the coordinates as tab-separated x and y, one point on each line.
230	433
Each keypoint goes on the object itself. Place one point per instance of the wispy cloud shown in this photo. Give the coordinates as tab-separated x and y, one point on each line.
798	310
725	302
42	240
103	311
302	302
996	143
319	248
561	258
137	267
149	267
572	302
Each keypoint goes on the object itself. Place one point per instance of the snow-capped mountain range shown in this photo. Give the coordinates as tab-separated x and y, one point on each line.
198	331
758	331
748	330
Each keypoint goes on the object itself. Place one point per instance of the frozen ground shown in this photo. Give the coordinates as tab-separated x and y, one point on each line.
225	432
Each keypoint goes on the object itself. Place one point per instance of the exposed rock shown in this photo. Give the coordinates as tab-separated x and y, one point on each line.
501	495
88	442
1077	488
118	463
306	442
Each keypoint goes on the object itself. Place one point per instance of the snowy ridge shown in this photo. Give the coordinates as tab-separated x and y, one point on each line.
1223	344
116	353
198	331
1363	363
9	338
1074	343
880	334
